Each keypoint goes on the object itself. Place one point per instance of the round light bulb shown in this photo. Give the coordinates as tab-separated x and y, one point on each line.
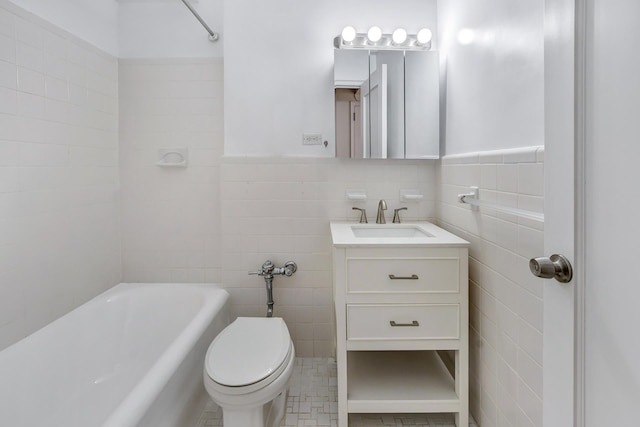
399	36
374	34
424	36
348	34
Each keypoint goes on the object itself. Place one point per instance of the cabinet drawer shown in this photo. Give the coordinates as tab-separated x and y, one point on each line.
415	275
403	321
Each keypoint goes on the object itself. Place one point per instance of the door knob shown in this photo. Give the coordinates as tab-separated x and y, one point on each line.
554	267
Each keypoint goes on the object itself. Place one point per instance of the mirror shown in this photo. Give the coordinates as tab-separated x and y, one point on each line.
387	104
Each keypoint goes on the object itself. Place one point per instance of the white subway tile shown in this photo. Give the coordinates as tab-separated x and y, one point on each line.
8	101
530	404
530	308
29	33
55	66
530	340
520	155
9	153
30	57
56	88
507	178
7	26
530	242
8	75
29	105
531	179
7	49
30	81
530	372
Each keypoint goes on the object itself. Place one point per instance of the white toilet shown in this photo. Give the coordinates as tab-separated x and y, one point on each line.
247	370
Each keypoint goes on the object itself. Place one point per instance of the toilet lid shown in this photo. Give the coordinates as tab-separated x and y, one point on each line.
248	350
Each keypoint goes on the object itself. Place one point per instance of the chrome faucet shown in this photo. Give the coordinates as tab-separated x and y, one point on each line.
382	206
268	270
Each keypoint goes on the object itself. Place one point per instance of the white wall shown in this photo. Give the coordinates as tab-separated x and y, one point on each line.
495	83
506	305
93	21
279	67
167	29
59	222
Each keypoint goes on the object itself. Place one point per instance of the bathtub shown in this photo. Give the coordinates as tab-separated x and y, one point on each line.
132	356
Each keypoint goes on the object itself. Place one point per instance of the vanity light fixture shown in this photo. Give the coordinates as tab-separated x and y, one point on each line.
376	38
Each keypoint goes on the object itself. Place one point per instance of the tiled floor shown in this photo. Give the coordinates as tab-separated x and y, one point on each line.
313	399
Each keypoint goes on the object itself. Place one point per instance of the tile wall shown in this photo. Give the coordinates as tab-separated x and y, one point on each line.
280	208
171	216
506	306
222	217
59	220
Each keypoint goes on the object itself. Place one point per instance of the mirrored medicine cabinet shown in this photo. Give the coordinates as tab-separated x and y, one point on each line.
387	104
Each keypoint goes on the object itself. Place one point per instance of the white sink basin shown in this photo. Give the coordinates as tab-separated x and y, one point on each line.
424	234
389	231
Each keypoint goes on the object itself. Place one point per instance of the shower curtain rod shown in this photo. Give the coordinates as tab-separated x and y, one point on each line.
213	36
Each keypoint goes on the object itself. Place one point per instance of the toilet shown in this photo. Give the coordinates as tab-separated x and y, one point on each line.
247	370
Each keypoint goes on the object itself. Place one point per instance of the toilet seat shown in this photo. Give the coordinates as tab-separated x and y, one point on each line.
248	354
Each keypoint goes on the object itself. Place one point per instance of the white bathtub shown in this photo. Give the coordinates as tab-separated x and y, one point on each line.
132	356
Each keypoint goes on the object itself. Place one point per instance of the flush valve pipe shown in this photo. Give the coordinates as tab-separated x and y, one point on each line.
268	270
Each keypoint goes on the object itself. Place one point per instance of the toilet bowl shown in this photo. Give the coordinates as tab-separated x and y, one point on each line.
247	370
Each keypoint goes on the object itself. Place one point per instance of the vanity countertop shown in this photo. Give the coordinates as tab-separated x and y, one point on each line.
407	234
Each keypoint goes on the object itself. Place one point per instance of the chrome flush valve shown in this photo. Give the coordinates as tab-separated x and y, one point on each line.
268	270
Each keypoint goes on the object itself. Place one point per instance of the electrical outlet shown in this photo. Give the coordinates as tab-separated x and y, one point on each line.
311	139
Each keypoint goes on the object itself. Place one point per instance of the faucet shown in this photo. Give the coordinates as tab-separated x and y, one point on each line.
382	206
268	270
396	215
363	215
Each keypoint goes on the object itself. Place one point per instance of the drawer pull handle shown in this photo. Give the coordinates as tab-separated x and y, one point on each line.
414	323
412	277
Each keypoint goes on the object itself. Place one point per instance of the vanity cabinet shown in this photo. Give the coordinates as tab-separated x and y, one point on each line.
402	328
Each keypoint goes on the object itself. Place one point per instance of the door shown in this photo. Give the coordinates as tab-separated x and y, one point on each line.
612	229
591	341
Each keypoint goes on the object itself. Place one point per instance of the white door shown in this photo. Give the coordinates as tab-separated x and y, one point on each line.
559	311
612	227
592	375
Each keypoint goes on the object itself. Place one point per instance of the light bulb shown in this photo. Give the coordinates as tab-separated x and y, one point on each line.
348	34
424	36
374	34
399	36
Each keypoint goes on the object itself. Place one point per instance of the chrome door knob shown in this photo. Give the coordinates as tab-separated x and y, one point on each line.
554	267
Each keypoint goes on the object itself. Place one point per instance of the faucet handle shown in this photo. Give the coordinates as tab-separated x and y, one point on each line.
396	215
363	215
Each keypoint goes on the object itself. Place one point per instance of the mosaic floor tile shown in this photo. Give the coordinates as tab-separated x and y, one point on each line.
313	401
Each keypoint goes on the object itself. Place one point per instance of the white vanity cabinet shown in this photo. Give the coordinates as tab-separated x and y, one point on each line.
399	306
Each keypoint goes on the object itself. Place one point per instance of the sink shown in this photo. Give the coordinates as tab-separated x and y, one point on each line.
424	234
389	231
